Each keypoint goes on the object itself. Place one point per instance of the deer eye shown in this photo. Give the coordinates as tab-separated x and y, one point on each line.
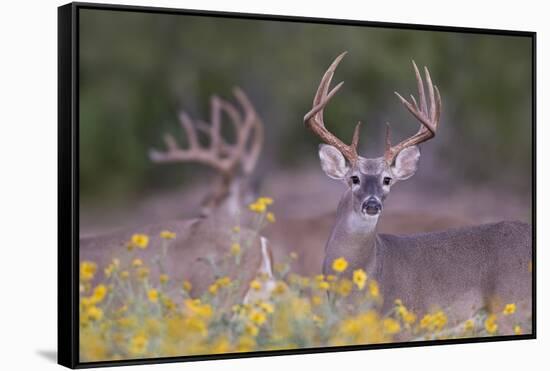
387	180
355	179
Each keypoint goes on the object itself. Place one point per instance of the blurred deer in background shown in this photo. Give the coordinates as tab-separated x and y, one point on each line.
466	269
233	162
210	236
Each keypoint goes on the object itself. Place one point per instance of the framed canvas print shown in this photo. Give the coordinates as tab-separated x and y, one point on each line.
223	194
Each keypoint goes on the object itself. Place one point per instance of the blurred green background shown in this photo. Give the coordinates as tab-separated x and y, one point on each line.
137	70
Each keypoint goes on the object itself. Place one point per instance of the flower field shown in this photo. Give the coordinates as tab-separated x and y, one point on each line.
128	312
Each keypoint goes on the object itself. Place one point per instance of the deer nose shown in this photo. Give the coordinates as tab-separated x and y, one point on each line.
371	206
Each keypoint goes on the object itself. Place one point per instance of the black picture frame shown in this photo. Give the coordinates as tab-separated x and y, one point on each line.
68	182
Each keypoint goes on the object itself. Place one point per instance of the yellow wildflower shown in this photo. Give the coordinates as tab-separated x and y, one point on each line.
316	300
491	324
469	325
153	295
167	235
235	249
94	313
265	200
344	287
280	288
340	264
252	329
440	320
99	293
359	278
213	289
87	270
257	317
187	286
331	278
435	321
267	307
143	272
223	281
391	326
140	240
163	278
257	207
517	330
373	289
323	285
138	344
137	263
255	285
509	309
270	217
409	317
196	307
168	303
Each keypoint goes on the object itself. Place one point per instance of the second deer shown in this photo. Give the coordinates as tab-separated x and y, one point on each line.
465	269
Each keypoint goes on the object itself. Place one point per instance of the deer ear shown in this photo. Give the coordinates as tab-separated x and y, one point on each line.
332	161
406	163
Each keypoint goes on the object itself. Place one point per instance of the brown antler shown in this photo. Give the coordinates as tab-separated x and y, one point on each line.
219	154
429	120
314	118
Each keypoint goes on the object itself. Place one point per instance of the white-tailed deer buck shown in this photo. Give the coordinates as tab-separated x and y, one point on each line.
231	161
464	269
210	235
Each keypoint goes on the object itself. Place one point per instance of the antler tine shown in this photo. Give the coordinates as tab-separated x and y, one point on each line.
314	118
428	118
219	154
251	141
252	124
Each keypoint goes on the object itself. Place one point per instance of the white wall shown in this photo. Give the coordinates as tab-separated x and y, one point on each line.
28	182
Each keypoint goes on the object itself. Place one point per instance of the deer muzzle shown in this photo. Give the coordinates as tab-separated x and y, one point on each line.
371	206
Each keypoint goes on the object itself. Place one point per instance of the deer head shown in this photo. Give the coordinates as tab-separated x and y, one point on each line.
370	179
229	160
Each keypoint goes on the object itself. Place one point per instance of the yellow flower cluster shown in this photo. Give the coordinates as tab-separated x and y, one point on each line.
491	324
434	321
167	235
139	240
135	311
261	205
219	284
405	314
87	270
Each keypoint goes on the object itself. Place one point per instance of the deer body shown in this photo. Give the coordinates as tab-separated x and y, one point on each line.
465	269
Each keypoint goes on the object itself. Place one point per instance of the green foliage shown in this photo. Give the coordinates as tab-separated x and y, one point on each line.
138	70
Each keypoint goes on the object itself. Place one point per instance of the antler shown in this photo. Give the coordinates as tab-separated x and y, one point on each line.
218	154
429	120
314	118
